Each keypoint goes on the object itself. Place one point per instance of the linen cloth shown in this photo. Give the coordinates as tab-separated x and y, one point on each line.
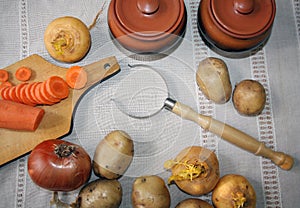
161	137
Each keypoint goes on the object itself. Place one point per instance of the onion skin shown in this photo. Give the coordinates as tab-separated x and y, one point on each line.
55	173
199	157
234	191
67	39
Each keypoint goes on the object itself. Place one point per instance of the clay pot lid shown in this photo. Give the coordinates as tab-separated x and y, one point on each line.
148	18
243	18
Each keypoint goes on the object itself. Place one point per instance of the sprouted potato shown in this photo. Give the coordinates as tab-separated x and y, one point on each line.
234	191
195	170
67	39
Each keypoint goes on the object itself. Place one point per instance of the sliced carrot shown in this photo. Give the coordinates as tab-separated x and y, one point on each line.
23	97
27	96
33	92
5	94
39	95
57	87
6	84
12	94
76	77
47	95
18	91
18	116
23	73
2	91
3	75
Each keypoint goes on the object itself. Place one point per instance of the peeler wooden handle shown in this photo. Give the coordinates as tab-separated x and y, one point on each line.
231	134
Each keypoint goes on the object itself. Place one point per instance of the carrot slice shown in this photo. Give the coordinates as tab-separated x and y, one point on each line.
57	87
23	96
23	73
5	94
3	75
33	92
12	94
2	91
28	95
6	84
47	95
18	91
40	97
76	77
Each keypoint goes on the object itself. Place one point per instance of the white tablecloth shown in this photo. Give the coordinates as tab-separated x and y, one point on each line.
276	66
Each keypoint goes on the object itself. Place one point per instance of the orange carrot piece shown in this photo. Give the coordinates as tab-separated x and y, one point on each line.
3	75
2	91
40	97
23	96
6	84
57	87
23	73
12	94
18	91
33	92
47	95
18	116
28	94
76	77
5	94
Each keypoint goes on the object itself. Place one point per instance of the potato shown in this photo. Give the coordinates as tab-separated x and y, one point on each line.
249	97
113	155
193	203
67	39
100	193
150	192
233	191
195	170
213	80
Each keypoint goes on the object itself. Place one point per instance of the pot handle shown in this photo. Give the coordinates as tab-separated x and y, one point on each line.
244	6
231	134
148	6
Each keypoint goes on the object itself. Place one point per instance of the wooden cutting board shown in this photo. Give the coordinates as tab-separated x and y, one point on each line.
58	117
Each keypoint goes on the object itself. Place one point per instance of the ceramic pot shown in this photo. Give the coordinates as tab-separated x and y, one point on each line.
147	26
236	27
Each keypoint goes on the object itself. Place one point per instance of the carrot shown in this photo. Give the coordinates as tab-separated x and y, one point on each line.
18	91
57	87
23	96
47	95
23	73
76	77
40	97
12	94
3	75
28	95
18	116
4	93
5	84
33	92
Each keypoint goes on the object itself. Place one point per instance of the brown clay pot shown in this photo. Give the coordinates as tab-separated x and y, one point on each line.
236	27
147	26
